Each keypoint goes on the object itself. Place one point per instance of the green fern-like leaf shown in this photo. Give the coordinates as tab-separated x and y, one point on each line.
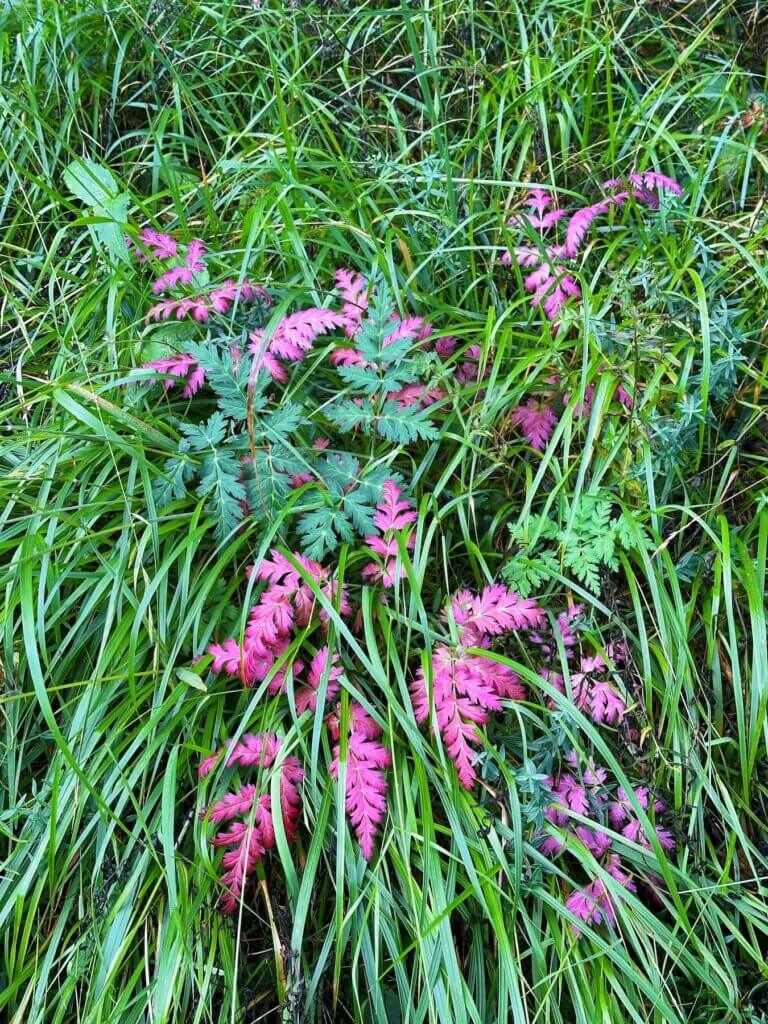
322	530
528	575
220	471
229	381
179	470
402	426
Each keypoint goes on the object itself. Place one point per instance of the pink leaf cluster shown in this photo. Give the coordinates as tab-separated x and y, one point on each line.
536	418
319	668
182	368
247	841
353	289
392	515
292	339
199	306
584	793
463	687
365	789
287	603
494	611
592	690
550	280
564	632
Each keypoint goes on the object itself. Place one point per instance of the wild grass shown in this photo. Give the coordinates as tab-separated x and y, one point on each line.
395	140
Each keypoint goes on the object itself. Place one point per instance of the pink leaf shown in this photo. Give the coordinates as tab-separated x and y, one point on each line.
295	333
652	179
353	290
366	785
465	687
306	697
606	705
496	610
536	420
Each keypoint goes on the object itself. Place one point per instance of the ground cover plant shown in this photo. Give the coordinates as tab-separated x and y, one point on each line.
383	526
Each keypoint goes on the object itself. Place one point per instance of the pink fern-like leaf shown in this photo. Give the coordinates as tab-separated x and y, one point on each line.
306	697
605	703
295	334
180	368
615	868
250	839
496	610
231	805
635	833
536	420
539	199
365	793
465	688
193	259
160	245
393	513
582	220
353	289
652	179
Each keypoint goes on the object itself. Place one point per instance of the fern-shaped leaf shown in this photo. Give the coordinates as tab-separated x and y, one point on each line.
584	564
268	482
199	437
360	512
282	421
369	488
527	575
396	376
322	530
227	380
362	379
179	470
296	332
370	339
402	426
348	415
221	484
338	472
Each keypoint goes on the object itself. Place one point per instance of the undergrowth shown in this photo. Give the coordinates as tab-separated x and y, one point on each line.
383	621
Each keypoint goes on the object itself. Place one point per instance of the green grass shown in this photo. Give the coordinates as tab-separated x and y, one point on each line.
392	140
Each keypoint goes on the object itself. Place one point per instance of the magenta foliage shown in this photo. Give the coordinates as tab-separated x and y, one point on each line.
551	282
181	274
466	687
353	289
286	603
583	793
306	696
470	370
154	244
249	840
392	514
195	303
646	180
292	338
365	790
593	692
496	610
536	420
592	905
179	368
289	602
